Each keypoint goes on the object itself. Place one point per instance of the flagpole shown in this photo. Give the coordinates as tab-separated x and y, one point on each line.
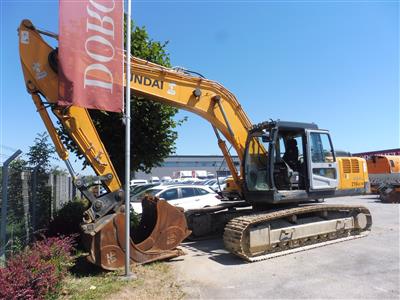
127	139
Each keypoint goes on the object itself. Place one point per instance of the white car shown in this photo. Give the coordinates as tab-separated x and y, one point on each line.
154	179
185	196
166	179
219	185
135	182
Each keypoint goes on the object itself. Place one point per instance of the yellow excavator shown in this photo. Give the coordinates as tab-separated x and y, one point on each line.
283	165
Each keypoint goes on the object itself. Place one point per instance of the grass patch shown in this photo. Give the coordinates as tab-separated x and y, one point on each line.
91	287
154	281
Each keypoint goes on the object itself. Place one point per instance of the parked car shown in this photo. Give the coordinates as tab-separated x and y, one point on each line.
155	179
185	196
166	179
219	184
135	182
210	182
199	182
140	188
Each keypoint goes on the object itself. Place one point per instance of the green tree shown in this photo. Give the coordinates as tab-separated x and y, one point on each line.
15	198
41	152
39	155
16	221
153	124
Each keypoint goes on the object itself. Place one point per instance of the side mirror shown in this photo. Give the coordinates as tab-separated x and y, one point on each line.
266	137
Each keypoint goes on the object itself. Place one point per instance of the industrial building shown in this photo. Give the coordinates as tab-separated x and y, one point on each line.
215	165
369	154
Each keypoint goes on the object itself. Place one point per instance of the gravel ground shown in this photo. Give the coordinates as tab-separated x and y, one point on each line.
363	268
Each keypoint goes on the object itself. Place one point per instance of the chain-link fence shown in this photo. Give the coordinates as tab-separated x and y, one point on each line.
31	199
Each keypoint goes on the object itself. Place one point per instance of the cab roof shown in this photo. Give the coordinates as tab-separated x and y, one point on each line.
283	124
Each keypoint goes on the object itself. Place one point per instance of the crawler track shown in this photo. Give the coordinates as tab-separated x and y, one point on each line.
336	223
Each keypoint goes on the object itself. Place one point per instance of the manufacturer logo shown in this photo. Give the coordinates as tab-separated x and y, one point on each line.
24	37
146	81
171	239
111	257
39	73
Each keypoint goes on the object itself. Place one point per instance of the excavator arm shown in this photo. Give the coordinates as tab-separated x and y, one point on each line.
103	222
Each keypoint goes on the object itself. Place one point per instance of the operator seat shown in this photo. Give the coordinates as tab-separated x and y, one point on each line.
291	156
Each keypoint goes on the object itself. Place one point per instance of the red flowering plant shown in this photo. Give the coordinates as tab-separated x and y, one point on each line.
37	271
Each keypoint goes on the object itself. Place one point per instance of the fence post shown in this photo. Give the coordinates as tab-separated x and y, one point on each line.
25	197
4	203
34	192
52	190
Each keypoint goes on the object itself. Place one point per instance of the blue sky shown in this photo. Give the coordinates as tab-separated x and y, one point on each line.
335	63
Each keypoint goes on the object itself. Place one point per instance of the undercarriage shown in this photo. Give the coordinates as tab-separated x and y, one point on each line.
256	236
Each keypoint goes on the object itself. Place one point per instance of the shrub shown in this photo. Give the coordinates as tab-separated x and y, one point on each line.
68	219
57	251
27	277
134	219
36	272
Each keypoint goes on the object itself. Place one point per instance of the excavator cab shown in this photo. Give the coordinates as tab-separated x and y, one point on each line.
288	162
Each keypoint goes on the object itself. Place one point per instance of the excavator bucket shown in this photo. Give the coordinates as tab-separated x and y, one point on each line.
162	228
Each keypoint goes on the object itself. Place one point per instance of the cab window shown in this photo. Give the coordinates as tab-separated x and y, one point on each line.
321	149
282	149
256	164
392	163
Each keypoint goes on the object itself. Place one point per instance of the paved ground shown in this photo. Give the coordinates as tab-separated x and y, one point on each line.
361	268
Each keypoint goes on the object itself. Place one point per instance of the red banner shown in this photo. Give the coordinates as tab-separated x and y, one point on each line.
91	54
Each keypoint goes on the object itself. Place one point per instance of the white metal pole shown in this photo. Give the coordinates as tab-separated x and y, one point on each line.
127	138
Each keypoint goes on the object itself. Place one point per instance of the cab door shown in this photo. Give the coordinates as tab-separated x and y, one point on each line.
322	165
